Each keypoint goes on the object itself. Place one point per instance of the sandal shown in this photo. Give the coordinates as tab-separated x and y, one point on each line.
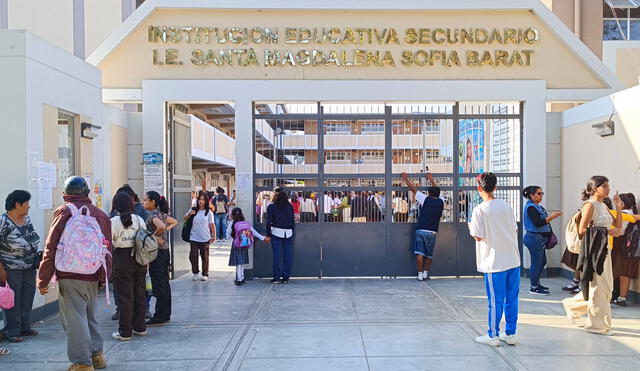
4	351
15	339
29	333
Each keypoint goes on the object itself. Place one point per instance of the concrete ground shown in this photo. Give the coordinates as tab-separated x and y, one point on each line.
344	324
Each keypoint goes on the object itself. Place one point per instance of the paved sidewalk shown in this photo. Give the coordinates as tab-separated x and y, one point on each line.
338	324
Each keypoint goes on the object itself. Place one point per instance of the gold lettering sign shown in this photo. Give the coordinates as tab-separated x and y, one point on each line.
344	47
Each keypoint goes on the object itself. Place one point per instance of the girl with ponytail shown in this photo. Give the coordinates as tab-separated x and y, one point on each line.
159	223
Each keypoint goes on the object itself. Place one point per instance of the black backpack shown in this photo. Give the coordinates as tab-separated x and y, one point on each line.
632	252
186	228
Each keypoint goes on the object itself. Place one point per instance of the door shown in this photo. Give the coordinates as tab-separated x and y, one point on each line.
179	165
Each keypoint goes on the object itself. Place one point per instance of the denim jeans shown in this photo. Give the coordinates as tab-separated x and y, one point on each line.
536	244
282	257
221	226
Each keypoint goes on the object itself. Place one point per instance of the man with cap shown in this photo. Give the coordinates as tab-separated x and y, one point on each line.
78	292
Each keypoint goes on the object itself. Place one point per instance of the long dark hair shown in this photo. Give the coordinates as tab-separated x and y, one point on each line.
629	201
236	216
206	202
594	182
161	202
527	192
281	199
294	197
123	204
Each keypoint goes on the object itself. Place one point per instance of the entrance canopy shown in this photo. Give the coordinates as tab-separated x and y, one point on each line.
351	40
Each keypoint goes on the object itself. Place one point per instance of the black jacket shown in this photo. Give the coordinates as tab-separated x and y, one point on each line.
592	255
279	217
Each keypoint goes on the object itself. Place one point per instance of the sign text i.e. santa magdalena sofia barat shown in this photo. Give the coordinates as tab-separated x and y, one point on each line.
344	47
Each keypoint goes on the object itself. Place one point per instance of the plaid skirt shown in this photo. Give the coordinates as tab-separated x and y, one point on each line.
238	256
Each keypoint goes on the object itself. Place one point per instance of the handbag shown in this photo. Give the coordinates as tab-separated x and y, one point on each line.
186	228
7	296
553	241
37	260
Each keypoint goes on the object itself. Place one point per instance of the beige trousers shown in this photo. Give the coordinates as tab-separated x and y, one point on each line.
598	307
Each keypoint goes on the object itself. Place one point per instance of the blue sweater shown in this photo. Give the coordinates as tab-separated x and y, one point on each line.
279	217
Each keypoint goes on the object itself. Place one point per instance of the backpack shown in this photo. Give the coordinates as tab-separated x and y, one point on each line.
145	247
186	228
244	236
221	207
82	248
632	252
403	206
571	235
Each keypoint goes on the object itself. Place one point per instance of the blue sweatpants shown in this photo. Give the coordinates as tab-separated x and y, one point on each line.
503	289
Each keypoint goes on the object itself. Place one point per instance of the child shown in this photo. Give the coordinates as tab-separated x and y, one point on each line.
242	234
494	228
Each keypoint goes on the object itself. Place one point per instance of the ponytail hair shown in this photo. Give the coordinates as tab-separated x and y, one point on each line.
527	192
161	202
123	204
629	201
594	182
236	216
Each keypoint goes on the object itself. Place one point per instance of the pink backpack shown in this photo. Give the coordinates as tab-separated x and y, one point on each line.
82	248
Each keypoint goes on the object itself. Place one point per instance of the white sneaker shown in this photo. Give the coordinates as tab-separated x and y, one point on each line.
116	336
509	339
425	275
204	278
420	276
485	339
195	277
140	333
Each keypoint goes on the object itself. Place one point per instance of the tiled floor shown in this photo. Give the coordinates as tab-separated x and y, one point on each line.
338	324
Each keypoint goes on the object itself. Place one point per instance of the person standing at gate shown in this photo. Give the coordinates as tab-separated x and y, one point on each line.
203	233
493	226
431	208
220	209
242	234
159	223
280	226
538	233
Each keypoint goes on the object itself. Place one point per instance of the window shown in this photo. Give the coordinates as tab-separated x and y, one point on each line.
337	127
372	126
66	141
372	155
337	155
624	23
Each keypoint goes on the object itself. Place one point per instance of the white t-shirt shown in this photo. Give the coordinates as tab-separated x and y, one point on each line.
494	222
124	237
200	231
328	202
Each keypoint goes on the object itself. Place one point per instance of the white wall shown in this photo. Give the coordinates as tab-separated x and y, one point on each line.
34	73
135	151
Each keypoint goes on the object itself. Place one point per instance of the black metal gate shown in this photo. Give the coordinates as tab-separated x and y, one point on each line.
341	164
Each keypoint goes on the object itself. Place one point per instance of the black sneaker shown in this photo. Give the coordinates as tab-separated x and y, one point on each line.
538	291
237	283
571	287
241	282
576	291
543	287
284	280
155	323
275	281
116	315
622	303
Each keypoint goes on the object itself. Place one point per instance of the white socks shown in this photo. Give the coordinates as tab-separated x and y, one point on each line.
239	272
420	276
425	274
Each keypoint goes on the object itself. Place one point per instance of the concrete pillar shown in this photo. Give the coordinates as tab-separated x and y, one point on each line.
4	15
244	160
78	29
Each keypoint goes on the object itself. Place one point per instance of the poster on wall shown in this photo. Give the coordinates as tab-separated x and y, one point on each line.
98	195
152	171
47	180
471	146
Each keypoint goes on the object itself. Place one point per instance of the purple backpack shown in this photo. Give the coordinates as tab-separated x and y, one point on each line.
244	236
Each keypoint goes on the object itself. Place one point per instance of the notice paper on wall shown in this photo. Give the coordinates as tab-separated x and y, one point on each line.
243	182
47	180
152	171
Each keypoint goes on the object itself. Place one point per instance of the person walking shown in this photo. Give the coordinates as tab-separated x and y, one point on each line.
537	235
78	292
594	257
431	208
624	269
203	233
139	210
160	223
280	229
493	226
128	275
220	208
242	233
18	263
